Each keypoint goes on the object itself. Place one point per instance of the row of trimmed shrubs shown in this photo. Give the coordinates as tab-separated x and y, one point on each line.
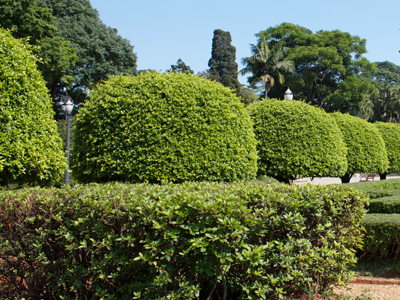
382	222
173	127
177	127
177	241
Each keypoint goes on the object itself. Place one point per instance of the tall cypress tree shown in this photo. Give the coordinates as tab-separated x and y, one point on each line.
223	67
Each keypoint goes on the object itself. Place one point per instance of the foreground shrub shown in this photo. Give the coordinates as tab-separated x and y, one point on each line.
366	148
163	128
390	133
189	241
297	140
30	149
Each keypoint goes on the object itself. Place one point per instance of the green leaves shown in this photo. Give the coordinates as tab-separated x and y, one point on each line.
297	140
178	241
163	128
30	149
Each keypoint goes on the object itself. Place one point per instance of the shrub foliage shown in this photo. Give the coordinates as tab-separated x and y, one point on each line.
297	140
30	149
187	241
366	148
390	133
163	128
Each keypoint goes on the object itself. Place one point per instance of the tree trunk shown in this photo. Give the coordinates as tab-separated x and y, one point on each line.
346	178
382	176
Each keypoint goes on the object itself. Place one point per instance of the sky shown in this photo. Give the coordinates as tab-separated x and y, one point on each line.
162	31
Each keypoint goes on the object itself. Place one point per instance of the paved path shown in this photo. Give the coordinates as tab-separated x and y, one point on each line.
336	180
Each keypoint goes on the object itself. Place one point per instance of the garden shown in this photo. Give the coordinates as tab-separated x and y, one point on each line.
165	202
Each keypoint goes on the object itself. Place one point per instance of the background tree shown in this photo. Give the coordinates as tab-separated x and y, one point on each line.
366	148
329	65
383	104
296	140
223	66
27	20
101	51
180	67
30	148
266	65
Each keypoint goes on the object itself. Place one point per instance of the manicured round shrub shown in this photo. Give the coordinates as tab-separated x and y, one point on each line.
366	148
30	148
163	128
297	140
390	133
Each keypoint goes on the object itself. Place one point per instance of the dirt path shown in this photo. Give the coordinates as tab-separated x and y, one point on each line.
375	291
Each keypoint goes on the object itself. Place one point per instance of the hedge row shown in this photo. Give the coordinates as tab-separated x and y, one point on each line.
382	237
382	223
191	241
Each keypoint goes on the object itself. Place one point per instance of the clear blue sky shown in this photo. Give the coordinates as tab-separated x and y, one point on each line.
162	31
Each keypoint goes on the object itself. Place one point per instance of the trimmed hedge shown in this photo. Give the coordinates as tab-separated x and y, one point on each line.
30	149
390	133
382	238
385	205
297	140
366	148
161	128
191	241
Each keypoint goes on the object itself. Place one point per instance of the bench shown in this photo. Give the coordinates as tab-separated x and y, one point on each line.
368	177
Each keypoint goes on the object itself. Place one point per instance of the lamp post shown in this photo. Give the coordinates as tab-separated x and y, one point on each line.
288	95
68	105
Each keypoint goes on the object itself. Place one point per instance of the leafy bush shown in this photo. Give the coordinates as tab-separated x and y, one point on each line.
163	128
382	238
297	140
390	133
385	205
30	149
366	148
188	241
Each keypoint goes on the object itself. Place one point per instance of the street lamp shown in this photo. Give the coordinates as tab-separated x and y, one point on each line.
68	105
288	95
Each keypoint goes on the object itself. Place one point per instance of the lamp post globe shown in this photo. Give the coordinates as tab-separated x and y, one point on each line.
288	95
68	106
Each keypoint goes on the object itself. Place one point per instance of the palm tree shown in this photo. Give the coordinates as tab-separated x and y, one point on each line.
263	65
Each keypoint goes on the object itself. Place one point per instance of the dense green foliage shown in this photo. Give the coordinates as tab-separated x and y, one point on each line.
329	65
223	66
366	148
26	19
390	133
163	127
382	238
189	241
101	51
266	65
30	149
297	140
383	104
382	227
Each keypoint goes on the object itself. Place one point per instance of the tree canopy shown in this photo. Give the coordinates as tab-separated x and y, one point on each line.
180	67
158	128
101	51
25	19
30	148
297	140
328	66
223	66
266	65
383	104
366	147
